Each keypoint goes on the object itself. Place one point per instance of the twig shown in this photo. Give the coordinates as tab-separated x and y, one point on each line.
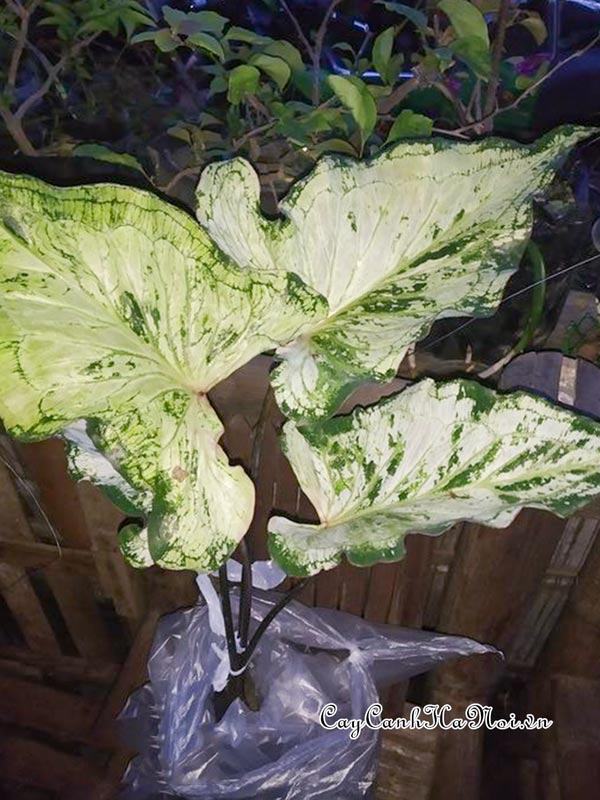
306	44
14	127
20	43
474	101
237	143
530	89
386	104
16	7
318	49
52	76
497	49
458	106
193	170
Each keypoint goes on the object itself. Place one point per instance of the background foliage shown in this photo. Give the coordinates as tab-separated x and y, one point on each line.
150	92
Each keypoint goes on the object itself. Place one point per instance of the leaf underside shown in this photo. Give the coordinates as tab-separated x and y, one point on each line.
431	456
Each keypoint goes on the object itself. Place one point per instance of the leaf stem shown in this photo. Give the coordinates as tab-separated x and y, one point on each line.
497	49
268	619
245	609
234	660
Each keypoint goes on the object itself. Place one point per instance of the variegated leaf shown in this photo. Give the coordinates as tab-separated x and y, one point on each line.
422	231
421	461
117	309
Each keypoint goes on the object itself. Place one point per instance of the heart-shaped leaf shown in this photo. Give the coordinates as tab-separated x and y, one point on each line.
117	308
425	459
426	229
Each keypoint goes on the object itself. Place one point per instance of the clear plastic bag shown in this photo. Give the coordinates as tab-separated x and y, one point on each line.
306	659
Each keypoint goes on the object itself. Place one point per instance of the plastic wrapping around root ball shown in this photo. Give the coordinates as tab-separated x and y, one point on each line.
306	659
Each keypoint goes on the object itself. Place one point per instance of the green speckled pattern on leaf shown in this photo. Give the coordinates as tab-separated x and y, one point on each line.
424	230
431	456
118	310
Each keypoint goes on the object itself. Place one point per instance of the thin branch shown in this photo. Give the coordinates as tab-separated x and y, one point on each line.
53	73
474	104
237	143
15	128
530	89
20	43
458	106
307	45
193	170
386	104
16	8
497	50
318	49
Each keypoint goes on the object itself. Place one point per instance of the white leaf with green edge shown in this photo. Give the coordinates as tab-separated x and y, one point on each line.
118	309
426	229
276	68
354	95
425	459
382	53
466	19
242	80
409	125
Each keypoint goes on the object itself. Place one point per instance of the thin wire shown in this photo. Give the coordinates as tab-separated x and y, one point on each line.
29	491
527	288
5	589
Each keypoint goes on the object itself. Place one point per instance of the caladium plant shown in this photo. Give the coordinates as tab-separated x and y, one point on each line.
119	312
118	309
422	231
431	456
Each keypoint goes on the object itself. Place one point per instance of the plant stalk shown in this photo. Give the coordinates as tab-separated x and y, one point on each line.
245	594
228	618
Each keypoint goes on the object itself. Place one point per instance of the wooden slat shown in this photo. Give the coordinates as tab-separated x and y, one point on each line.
33	763
567	561
37	555
379	594
45	463
132	675
16	660
120	582
27	704
327	588
494	576
405	768
15	586
570	749
354	584
573	647
23	602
